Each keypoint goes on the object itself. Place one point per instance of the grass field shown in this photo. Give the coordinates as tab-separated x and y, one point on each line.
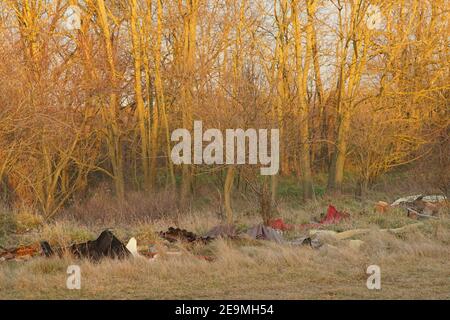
414	264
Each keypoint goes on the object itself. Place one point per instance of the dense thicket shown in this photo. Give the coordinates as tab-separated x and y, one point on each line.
353	85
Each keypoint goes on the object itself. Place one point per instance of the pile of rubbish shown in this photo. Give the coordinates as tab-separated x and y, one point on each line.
416	206
107	245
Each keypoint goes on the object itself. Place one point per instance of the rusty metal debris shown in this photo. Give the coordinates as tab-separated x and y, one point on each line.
19	254
177	234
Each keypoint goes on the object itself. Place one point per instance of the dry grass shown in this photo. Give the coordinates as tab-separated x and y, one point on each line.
413	265
103	208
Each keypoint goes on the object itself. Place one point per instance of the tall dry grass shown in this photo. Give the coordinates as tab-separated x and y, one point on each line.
103	208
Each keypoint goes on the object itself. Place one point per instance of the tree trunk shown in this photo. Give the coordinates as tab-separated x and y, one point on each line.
141	110
228	186
111	114
302	101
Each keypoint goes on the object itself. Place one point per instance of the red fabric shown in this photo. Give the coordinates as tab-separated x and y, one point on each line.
280	225
333	216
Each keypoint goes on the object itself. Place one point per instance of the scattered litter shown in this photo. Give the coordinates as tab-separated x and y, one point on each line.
132	247
413	214
263	232
279	224
404	200
420	206
430	198
106	245
382	207
177	234
314	243
333	216
19	254
222	231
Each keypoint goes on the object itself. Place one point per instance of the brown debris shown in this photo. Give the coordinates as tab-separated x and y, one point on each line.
20	253
177	234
